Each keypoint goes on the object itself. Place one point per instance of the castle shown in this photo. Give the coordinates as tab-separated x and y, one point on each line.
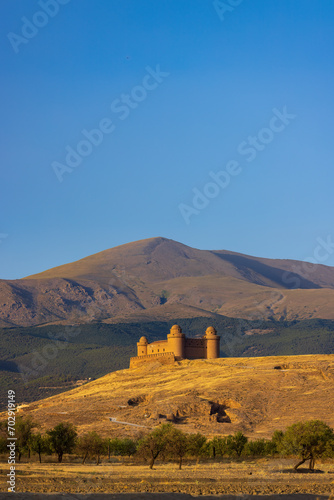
177	347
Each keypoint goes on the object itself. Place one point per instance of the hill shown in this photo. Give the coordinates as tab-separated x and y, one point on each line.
254	395
162	278
43	361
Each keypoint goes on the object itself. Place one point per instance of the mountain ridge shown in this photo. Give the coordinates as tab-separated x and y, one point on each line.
145	274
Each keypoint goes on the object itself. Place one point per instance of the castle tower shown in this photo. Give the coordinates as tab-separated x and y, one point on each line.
176	342
212	343
142	347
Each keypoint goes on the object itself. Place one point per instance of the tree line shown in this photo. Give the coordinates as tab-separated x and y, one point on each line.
306	440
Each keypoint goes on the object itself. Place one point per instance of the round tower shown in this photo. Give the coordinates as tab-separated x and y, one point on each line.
176	342
212	343
142	346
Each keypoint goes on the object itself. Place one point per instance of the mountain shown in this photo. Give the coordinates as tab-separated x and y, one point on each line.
254	395
159	278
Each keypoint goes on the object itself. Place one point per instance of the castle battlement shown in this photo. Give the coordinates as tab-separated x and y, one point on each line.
177	347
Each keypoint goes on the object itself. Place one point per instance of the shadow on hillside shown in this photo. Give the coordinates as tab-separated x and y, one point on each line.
9	366
285	279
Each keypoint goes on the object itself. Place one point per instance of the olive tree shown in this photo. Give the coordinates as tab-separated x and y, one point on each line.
308	440
23	433
39	444
236	443
196	445
91	445
177	444
218	446
154	443
63	439
122	447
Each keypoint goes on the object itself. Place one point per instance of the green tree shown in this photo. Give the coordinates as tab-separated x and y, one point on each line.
63	439
236	443
218	446
23	433
39	444
196	445
177	443
275	442
91	445
308	440
122	447
153	444
258	447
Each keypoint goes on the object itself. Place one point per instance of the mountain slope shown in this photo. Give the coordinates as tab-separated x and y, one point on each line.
158	259
143	277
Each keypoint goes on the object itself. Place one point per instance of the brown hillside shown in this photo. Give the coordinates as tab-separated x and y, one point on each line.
161	278
254	395
158	259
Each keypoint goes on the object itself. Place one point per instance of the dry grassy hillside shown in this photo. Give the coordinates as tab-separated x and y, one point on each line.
254	395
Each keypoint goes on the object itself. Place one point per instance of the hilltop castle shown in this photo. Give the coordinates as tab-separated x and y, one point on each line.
177	347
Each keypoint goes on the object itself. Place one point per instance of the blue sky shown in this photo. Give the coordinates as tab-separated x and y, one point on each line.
223	77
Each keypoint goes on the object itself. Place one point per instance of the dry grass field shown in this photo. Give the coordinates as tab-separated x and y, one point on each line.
257	477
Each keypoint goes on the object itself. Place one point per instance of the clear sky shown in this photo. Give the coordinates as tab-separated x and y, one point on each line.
182	90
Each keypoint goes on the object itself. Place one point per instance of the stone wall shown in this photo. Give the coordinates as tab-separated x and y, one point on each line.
165	358
195	348
158	347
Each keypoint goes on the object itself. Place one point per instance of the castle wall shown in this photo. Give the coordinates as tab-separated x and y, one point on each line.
158	347
165	358
195	348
